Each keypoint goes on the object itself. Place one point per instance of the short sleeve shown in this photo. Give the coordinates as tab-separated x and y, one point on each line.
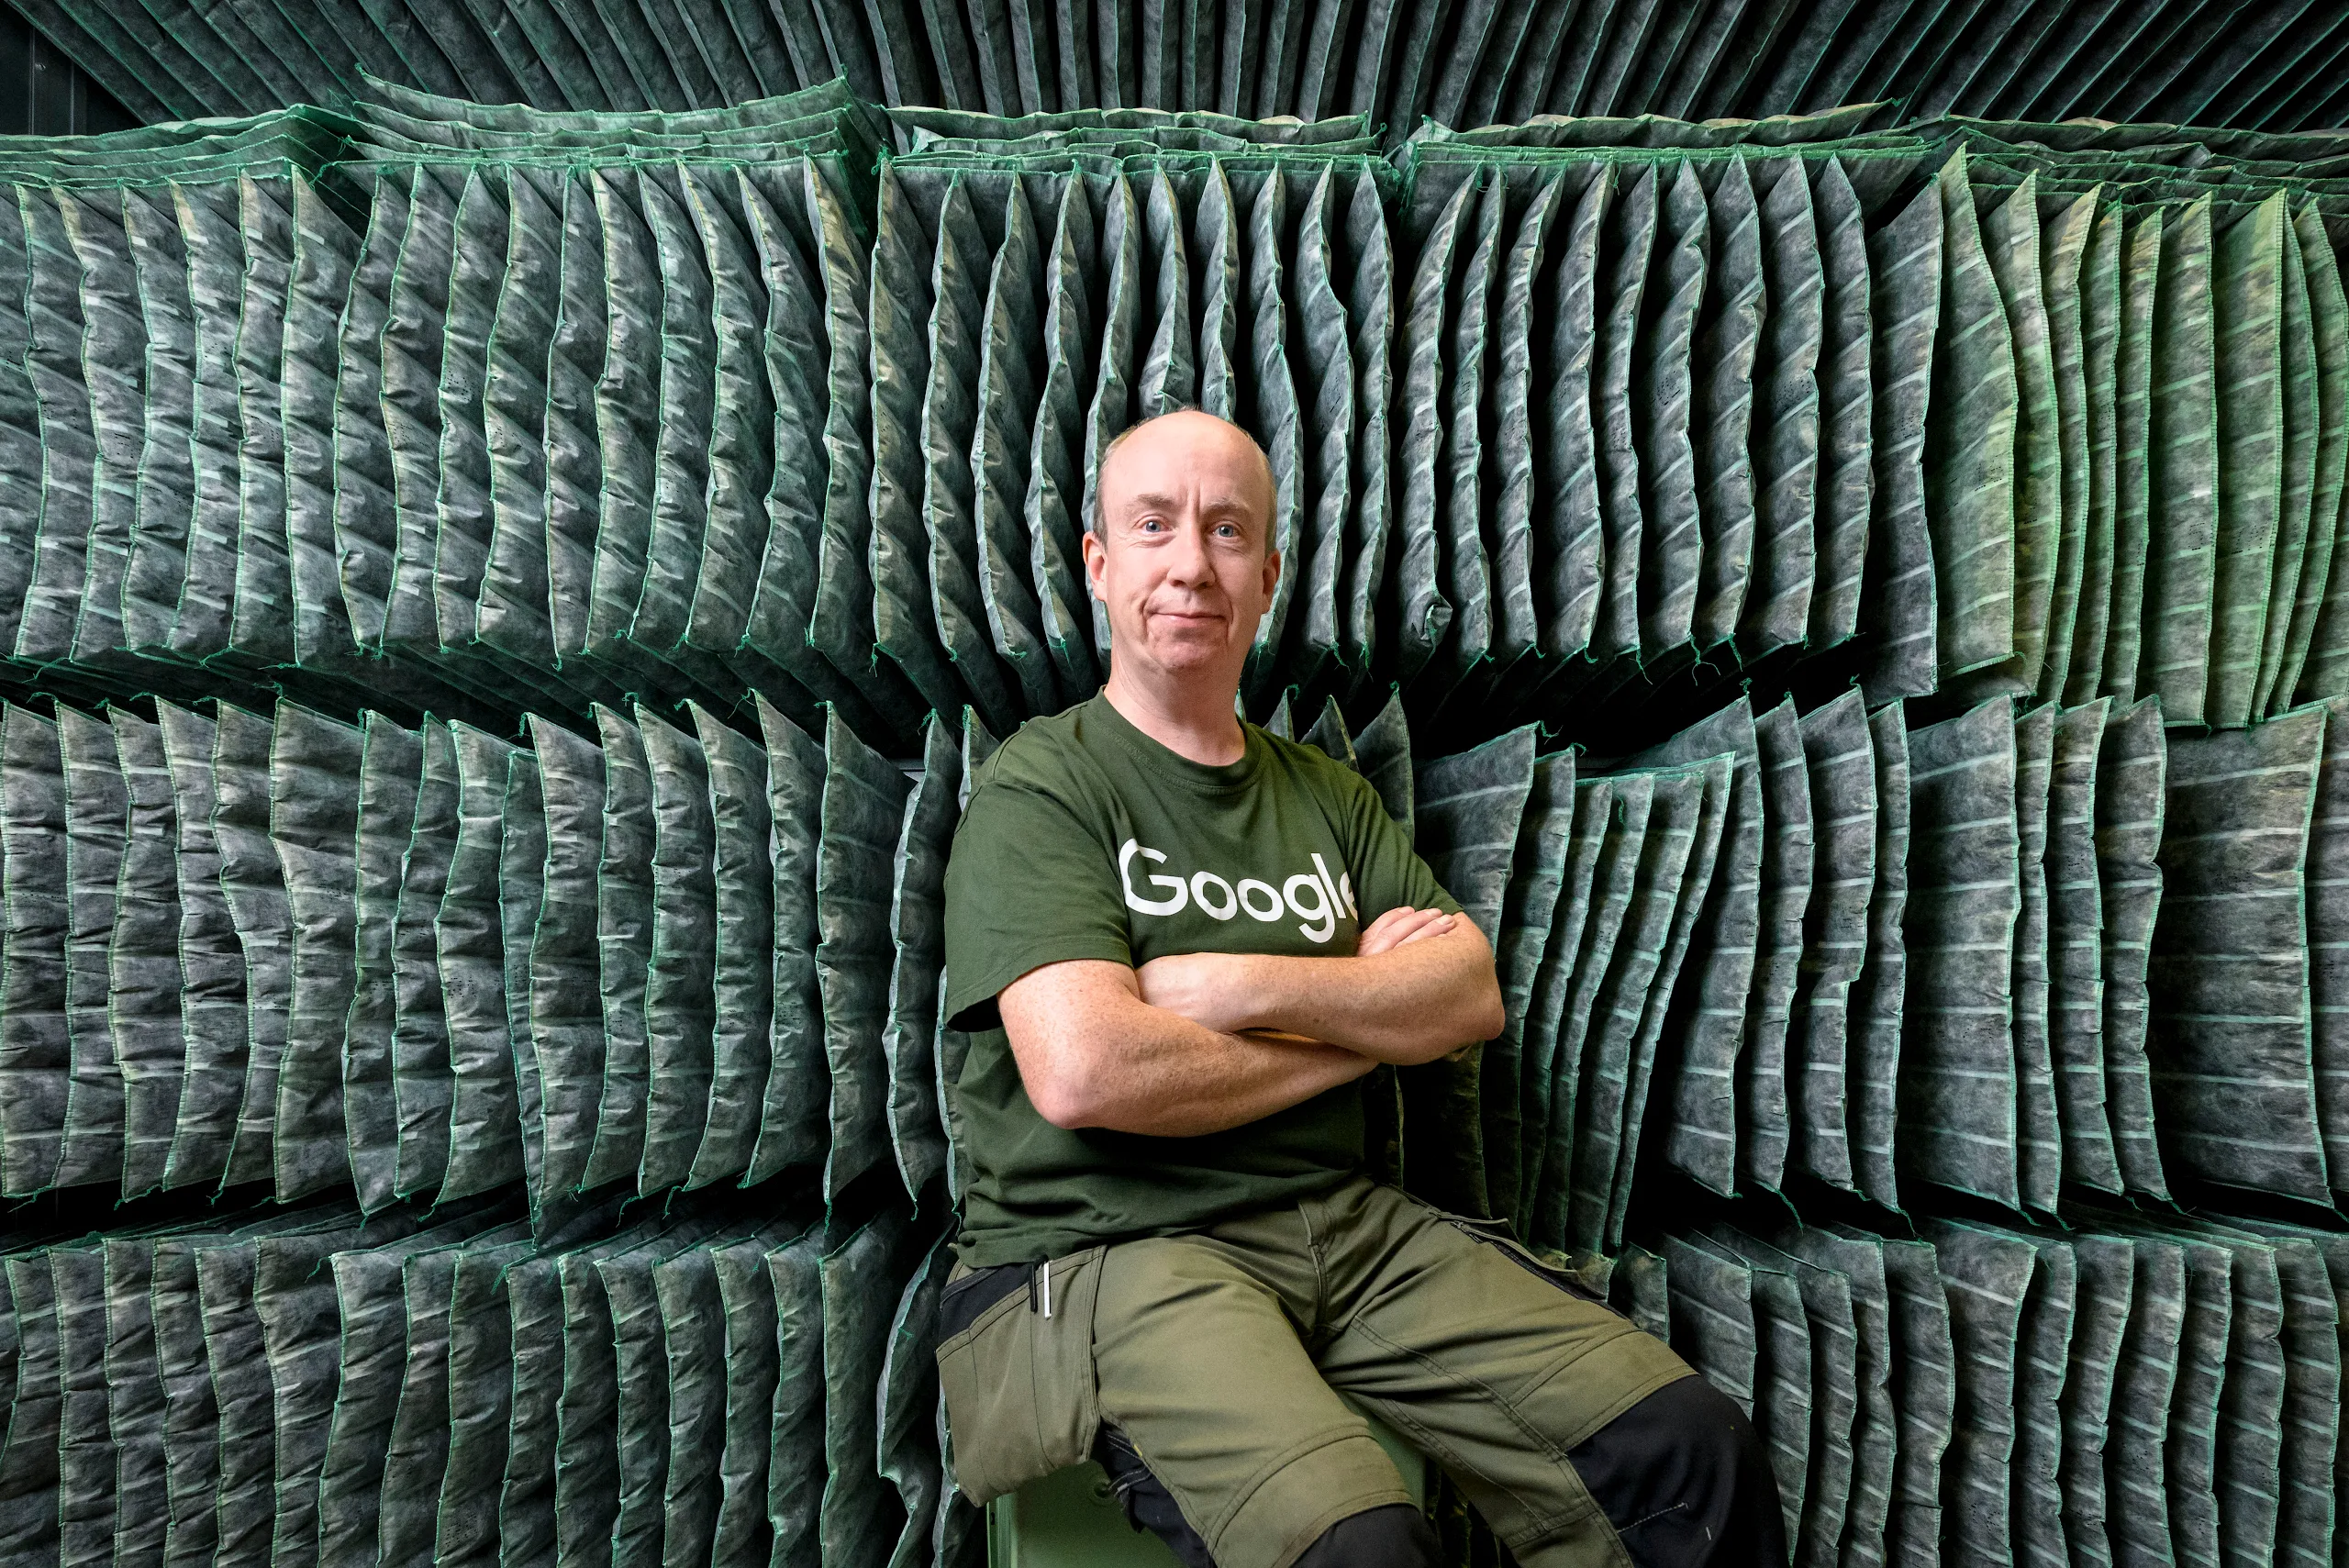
1028	884
1391	874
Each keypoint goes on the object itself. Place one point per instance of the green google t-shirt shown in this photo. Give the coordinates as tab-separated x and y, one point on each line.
1085	838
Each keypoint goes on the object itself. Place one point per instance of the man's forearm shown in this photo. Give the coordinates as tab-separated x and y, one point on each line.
1408	1004
1092	1053
1215	1082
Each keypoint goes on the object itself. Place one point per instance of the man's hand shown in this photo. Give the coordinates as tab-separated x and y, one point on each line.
1396	927
1214	988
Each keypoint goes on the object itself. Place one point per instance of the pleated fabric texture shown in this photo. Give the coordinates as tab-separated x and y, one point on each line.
505	602
1101	60
508	405
553	1359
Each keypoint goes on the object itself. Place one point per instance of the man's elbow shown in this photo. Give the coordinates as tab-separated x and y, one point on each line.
1491	1017
1477	1021
1068	1096
1478	1015
1060	1103
1484	1016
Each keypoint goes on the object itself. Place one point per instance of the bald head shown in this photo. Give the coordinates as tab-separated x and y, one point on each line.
1213	453
1180	552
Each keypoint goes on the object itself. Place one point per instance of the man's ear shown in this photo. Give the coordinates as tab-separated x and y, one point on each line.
1096	561
1272	573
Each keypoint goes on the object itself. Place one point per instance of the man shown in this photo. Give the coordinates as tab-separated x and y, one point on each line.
1181	944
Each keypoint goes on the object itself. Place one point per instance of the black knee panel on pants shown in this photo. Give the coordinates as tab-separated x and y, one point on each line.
1394	1536
1687	1482
1682	1475
1147	1503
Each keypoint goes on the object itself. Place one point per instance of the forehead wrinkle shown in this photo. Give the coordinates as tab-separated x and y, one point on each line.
1153	499
1142	433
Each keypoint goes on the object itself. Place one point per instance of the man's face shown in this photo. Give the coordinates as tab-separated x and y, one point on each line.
1181	557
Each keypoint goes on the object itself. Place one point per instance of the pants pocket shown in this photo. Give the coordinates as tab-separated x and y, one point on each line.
1021	1399
1496	1234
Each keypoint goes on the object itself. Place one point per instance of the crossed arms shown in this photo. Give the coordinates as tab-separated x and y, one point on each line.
1203	1043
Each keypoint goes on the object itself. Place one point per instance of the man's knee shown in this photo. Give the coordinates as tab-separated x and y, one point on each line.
1395	1536
1687	1482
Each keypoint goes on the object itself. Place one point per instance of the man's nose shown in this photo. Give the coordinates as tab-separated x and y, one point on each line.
1188	563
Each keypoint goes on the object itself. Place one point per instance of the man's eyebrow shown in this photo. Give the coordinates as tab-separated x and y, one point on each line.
1214	506
1169	503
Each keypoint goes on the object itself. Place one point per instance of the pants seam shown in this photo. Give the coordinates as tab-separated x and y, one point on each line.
1313	1250
1538	1519
1519	1541
1651	1518
1622	1404
1426	1441
1211	1528
1246	1492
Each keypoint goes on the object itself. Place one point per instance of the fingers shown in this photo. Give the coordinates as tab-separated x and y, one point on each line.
1435	928
1397	926
1412	923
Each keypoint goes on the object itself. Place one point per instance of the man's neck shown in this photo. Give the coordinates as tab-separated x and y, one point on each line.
1192	719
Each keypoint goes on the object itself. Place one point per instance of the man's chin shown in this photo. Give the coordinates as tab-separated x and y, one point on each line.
1198	656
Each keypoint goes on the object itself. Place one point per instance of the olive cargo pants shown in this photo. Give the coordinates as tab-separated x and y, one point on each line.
1219	1357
